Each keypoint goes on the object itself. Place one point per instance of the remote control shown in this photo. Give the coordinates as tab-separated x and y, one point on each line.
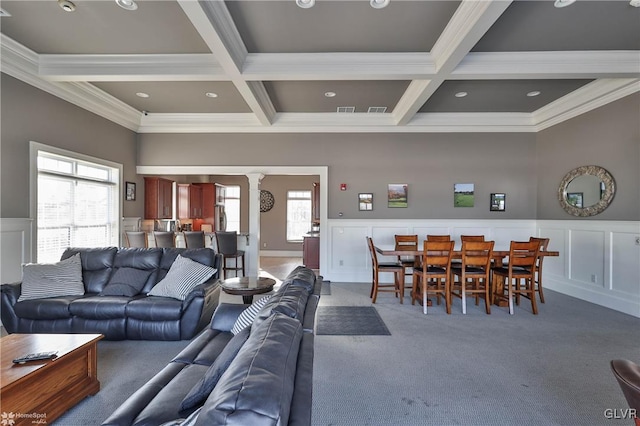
36	357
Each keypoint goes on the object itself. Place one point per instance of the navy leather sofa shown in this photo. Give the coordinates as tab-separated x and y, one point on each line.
268	381
138	317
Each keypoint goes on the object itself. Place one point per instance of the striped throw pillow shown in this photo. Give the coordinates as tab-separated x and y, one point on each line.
63	278
246	317
181	278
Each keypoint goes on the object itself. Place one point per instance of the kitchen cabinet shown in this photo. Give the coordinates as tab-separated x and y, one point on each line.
189	201
208	199
315	203
158	198
311	252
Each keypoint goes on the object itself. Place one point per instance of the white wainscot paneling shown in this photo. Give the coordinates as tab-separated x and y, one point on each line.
15	247
348	248
592	250
587	256
625	264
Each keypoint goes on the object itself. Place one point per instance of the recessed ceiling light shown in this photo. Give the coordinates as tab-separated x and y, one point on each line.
142	95
330	94
211	95
461	94
379	4
534	93
635	3
4	13
305	4
563	3
127	4
66	5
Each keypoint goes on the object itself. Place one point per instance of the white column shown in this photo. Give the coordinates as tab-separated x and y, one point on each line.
253	249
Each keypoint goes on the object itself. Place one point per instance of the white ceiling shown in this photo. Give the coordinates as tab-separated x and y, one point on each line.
271	62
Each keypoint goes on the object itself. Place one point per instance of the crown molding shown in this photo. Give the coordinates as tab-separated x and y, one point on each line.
22	63
540	65
585	99
174	67
338	66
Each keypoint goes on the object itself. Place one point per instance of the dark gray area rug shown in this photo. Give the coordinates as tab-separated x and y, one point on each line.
350	321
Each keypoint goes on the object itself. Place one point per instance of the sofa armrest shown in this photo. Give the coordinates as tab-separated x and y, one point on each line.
202	290
9	294
226	315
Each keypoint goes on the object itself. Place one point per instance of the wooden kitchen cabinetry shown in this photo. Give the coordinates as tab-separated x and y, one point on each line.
189	201
158	198
311	252
208	199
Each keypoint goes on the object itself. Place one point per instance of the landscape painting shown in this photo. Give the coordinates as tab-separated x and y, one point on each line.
397	195
463	194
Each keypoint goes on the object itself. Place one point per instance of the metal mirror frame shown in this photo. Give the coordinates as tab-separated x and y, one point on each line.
605	199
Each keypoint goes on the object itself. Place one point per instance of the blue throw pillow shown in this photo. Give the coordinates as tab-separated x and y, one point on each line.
126	282
201	390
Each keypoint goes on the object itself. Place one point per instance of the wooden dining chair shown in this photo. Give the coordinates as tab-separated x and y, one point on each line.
544	245
433	275
473	273
392	267
164	238
439	237
518	277
408	242
194	239
136	239
476	238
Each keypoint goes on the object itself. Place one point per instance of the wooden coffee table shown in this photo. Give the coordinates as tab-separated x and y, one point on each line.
247	287
43	390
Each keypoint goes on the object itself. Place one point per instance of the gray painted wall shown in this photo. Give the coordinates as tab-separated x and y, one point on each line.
608	137
29	114
429	163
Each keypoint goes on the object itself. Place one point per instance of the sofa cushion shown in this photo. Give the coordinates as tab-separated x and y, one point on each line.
201	390
205	348
151	308
41	280
99	307
97	264
303	277
45	309
182	277
246	317
126	282
290	300
257	387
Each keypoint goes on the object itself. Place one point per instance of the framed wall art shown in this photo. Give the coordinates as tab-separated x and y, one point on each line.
498	202
398	195
463	194
130	191
365	201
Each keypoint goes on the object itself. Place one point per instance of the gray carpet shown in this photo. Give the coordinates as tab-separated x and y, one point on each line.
325	290
474	369
350	321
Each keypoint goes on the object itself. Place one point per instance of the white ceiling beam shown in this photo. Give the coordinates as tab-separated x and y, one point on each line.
174	67
213	22
338	66
548	65
469	23
584	99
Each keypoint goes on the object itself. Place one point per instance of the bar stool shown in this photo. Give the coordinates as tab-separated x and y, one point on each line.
227	243
194	239
136	239
164	239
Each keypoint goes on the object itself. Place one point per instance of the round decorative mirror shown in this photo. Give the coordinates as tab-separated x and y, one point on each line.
586	191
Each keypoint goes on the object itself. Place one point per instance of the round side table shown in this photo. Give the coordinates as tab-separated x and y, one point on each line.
247	287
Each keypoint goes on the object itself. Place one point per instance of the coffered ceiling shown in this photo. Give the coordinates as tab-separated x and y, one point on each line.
271	66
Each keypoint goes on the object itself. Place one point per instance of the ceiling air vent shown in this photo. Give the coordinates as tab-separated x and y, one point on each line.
377	109
346	109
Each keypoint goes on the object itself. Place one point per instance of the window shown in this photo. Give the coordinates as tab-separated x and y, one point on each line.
232	207
77	204
298	215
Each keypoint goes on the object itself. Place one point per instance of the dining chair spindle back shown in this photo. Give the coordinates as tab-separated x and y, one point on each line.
473	273
433	275
519	276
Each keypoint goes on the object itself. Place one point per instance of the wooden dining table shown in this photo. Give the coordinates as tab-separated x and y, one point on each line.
498	257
